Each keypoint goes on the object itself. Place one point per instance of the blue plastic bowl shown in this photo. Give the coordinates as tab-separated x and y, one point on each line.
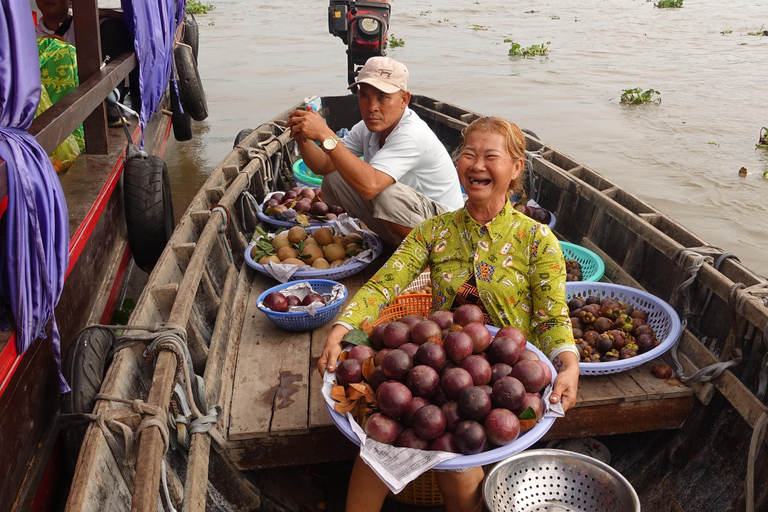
303	321
592	266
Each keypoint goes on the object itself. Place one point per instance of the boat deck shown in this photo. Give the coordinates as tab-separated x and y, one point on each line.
278	416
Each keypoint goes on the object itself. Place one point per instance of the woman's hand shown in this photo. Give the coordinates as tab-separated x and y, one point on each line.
331	350
567	380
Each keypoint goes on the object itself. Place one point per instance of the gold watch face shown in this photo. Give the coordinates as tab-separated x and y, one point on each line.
329	143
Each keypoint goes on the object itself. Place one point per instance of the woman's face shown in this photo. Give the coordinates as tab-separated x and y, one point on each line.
485	167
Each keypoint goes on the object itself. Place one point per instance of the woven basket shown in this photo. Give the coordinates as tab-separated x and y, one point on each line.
422	492
304	321
417	304
592	266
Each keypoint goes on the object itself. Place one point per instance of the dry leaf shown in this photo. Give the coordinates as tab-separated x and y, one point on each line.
343	408
366	326
526	425
338	393
343	356
368	367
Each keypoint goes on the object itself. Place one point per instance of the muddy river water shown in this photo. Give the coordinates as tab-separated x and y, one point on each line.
682	156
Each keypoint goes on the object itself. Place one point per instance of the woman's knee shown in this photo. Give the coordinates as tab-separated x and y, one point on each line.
462	492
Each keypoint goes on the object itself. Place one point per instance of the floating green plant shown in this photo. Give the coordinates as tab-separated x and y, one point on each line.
669	4
395	42
637	96
761	32
531	51
763	141
195	7
478	27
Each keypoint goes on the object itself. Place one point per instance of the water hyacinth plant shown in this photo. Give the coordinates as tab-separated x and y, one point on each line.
637	96
395	42
668	4
195	7
533	50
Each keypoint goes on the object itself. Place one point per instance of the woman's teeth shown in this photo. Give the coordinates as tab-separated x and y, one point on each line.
474	181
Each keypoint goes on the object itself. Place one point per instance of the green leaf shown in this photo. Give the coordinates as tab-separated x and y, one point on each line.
357	337
527	414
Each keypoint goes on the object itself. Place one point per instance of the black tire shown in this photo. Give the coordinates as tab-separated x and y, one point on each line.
181	122
148	209
84	368
191	33
241	135
190	86
529	132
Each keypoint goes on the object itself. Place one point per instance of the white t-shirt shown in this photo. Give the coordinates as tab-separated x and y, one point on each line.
41	31
411	155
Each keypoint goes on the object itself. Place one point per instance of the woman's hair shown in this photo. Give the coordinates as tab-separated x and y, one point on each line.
513	136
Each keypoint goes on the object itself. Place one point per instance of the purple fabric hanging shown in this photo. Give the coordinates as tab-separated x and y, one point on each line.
153	24
34	241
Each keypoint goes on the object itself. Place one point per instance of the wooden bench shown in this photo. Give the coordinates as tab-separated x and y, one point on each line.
278	416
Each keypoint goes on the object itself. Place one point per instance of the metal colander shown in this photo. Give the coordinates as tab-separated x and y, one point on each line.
557	480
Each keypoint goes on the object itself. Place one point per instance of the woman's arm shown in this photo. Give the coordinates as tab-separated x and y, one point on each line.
331	350
567	380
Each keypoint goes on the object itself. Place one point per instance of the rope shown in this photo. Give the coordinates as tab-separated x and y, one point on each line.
758	437
223	230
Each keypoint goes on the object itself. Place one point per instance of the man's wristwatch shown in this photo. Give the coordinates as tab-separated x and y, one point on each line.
330	143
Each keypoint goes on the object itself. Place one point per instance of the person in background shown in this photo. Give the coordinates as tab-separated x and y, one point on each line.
488	254
406	175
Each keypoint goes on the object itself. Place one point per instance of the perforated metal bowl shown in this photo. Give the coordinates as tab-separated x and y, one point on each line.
557	480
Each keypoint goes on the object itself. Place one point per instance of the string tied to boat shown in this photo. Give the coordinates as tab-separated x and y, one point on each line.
223	228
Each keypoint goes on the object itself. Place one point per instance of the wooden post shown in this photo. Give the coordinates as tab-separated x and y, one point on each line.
85	16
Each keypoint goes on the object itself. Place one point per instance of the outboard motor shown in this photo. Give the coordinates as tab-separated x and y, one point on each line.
362	26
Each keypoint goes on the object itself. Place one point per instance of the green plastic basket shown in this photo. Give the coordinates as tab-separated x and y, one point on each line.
592	266
301	173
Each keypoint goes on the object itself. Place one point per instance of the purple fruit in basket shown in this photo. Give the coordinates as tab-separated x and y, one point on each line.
410	439
416	404
425	331
293	300
443	443
330	216
379	357
639	313
336	210
396	365
481	336
273	202
431	354
532	400
442	318
361	352
457	345
349	372
644	342
303	205
429	422
277	196
542	215
319	208
488	389
411	320
528	355
409	348
312	297
508	392
377	378
469	437
644	329
394	398
531	374
382	428
514	333
289	196
452	418
467	314
439	398
376	336
503	350
478	367
501	427
396	334
423	381
473	403
454	381
547	371
498	371
308	193
276	301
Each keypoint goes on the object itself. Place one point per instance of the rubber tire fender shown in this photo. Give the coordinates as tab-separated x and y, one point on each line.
191	33
181	122
242	134
84	368
190	86
148	209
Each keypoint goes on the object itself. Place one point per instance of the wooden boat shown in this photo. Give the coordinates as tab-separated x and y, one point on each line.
99	256
684	442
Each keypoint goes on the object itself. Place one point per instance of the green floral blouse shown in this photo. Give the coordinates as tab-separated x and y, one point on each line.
517	262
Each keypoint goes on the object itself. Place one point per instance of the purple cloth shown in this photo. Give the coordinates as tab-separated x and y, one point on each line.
34	232
153	23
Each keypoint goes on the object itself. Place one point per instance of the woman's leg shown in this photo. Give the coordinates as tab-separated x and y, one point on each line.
366	490
462	492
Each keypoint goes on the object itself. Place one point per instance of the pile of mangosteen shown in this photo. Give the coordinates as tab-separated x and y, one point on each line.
573	270
608	330
445	383
304	200
538	214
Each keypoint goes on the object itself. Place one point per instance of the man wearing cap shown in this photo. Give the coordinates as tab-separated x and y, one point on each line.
406	175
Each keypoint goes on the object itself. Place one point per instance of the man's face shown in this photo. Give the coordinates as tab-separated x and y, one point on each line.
54	10
381	111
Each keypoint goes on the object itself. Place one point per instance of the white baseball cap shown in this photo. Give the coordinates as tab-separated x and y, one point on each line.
385	74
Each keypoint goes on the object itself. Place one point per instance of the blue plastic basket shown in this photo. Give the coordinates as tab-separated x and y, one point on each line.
592	266
303	175
303	321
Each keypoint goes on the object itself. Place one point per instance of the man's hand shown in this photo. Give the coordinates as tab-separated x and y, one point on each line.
331	350
567	380
306	125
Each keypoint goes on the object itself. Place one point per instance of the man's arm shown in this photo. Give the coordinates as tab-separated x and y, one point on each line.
308	127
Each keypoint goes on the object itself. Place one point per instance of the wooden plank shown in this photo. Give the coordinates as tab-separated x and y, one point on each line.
623	381
318	414
271	385
595	390
621	418
85	17
655	387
